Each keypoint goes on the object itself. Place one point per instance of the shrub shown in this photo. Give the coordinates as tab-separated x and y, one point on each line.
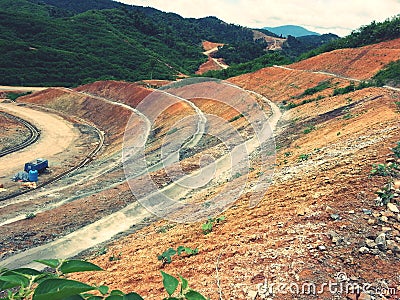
15	96
30	216
318	88
304	157
235	118
382	170
166	256
309	129
208	226
385	193
396	150
398	105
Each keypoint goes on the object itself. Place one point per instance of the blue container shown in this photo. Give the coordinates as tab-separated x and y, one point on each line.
39	164
33	175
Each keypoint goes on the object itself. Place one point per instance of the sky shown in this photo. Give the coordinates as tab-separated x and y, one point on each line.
323	16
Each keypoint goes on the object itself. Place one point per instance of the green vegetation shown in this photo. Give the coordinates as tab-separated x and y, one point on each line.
396	150
397	103
114	257
391	170
348	116
287	154
171	285
236	118
242	52
76	43
369	34
384	170
385	193
323	85
309	129
26	283
295	46
304	157
390	75
290	105
15	96
30	216
352	87
165	228
166	256
208	226
267	60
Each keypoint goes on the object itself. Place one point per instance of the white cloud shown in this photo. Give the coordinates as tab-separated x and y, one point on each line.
336	16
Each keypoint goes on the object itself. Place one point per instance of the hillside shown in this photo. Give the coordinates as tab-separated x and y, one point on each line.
67	43
293	30
373	33
361	63
58	45
325	216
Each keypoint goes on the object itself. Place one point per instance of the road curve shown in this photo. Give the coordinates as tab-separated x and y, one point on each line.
34	135
57	135
103	229
334	75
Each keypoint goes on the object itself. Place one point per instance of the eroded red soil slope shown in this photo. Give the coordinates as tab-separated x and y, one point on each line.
314	220
360	63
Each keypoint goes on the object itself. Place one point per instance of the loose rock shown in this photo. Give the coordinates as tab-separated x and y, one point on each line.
370	243
367	211
335	217
384	219
393	246
363	250
381	242
393	208
252	295
364	296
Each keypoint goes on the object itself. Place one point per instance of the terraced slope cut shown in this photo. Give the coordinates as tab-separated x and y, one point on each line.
314	219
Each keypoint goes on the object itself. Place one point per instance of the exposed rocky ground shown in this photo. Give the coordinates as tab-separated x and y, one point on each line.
11	133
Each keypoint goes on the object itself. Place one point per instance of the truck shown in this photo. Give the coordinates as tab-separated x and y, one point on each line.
39	165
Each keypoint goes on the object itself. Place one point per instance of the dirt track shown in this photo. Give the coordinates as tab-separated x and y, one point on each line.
54	143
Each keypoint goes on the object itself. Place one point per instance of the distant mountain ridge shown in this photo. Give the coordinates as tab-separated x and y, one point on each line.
69	42
292	30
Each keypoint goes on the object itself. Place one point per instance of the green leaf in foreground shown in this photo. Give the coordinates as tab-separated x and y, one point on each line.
193	295
72	266
130	296
52	263
13	280
170	283
57	289
184	284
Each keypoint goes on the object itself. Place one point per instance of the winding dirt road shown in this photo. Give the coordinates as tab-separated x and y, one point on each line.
57	135
106	228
